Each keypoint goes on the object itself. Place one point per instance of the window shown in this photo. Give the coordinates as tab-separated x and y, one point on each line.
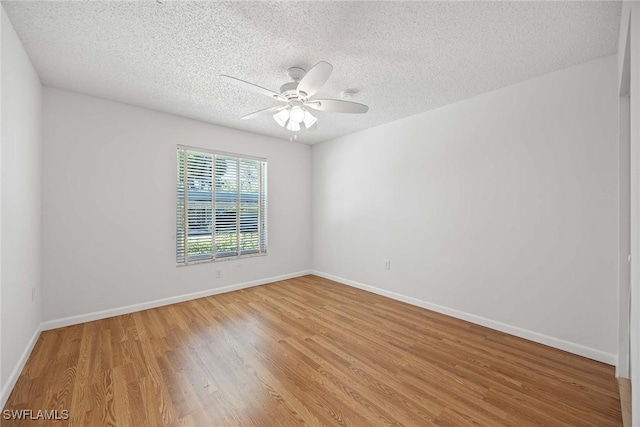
221	206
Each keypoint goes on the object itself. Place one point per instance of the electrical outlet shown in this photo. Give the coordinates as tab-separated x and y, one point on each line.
387	264
219	273
33	294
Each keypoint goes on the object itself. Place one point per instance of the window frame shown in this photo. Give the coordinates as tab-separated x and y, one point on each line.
262	219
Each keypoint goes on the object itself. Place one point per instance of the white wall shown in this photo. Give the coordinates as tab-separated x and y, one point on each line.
109	205
21	203
624	198
502	207
633	34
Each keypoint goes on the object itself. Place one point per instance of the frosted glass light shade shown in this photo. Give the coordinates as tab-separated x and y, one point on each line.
281	117
293	126
296	115
309	120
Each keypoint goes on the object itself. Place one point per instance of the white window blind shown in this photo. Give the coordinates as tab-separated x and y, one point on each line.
221	206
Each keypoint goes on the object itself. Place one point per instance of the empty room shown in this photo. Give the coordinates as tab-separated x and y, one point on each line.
319	213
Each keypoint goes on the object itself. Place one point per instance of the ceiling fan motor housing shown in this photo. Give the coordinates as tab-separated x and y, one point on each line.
288	90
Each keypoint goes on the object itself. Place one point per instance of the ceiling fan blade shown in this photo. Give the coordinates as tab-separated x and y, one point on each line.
252	87
337	106
263	112
315	78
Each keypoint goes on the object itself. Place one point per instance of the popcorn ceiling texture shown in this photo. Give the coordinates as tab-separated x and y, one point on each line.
403	57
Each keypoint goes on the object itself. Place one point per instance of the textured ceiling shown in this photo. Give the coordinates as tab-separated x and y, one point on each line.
402	57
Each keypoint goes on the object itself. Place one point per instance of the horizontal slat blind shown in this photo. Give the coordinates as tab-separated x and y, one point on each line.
221	206
180	209
226	206
249	206
199	206
263	207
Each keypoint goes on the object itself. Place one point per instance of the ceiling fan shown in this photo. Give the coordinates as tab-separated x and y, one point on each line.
297	98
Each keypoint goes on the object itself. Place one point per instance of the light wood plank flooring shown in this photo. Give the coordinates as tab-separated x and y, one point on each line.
307	351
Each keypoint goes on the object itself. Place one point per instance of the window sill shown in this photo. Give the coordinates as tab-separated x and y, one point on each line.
221	259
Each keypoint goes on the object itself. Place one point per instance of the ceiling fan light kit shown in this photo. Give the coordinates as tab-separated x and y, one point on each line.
291	117
297	95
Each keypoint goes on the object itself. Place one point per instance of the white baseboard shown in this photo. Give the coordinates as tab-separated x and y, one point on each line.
17	370
558	343
97	315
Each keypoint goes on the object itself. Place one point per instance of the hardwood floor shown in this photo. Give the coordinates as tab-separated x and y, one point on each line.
306	351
